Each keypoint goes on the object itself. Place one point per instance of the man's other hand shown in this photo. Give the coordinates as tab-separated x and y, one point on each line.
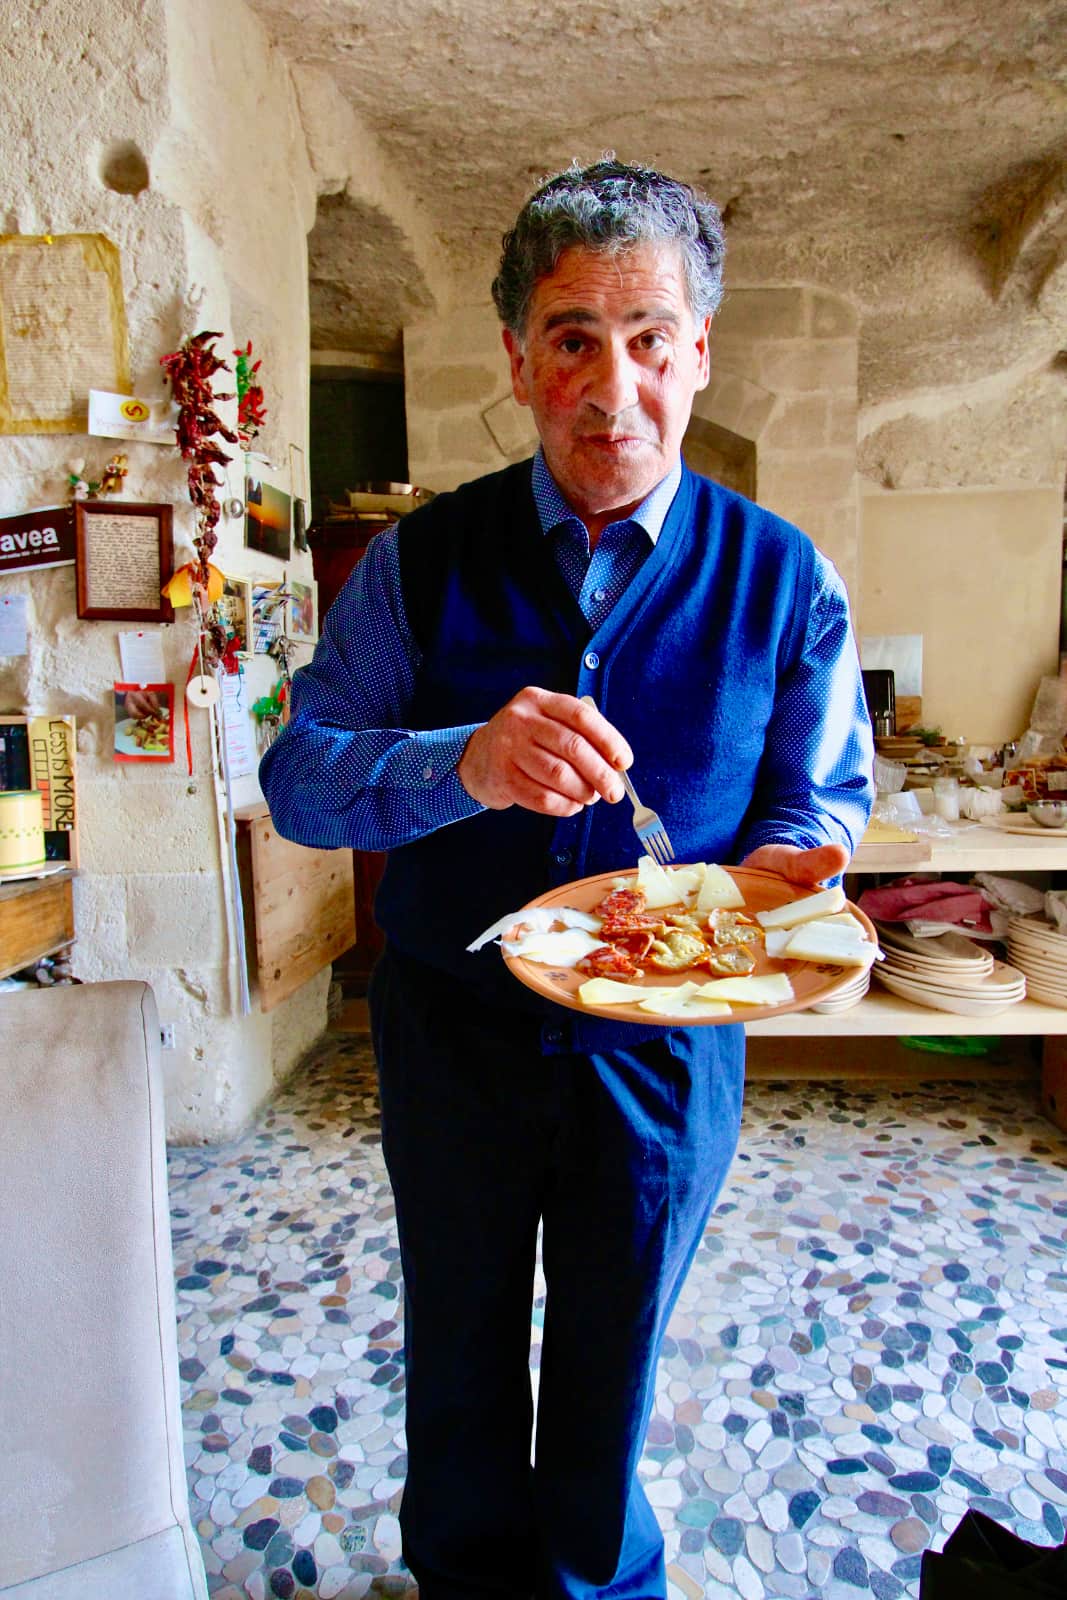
807	868
547	752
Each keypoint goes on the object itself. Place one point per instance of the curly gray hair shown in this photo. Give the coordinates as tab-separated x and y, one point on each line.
610	206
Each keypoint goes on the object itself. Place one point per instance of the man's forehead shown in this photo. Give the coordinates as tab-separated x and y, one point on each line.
641	280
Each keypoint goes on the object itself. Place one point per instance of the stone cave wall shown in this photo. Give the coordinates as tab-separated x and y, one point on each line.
145	124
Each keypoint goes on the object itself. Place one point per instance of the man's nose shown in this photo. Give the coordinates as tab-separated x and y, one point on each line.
613	385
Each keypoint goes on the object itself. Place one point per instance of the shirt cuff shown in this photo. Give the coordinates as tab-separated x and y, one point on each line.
425	766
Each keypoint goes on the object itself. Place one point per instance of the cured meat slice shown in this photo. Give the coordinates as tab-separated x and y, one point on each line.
608	961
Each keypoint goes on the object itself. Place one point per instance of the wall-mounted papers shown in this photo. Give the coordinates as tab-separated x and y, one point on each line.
129	416
62	329
13	635
41	538
141	654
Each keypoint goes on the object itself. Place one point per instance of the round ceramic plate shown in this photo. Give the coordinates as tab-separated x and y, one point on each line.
811	980
44	869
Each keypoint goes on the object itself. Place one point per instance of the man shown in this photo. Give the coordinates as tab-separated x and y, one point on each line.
441	720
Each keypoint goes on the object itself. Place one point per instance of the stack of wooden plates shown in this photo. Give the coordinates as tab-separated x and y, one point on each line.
851	995
946	973
1039	950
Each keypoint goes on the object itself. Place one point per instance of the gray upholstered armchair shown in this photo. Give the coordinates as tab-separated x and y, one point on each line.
93	1499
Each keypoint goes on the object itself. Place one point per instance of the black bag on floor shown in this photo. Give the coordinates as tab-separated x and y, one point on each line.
984	1561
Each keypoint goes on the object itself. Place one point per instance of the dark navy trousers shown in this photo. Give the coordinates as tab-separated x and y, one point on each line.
622	1157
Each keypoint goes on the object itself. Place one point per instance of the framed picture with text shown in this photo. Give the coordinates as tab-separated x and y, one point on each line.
124	554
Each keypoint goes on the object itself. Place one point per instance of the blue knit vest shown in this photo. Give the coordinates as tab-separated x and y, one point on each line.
685	667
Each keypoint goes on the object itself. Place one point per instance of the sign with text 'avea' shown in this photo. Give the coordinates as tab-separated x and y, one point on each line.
42	538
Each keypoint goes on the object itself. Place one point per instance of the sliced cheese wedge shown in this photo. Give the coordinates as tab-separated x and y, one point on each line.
718	891
654	883
553	949
665	886
775	941
691	1006
845	919
823	904
822	941
610	992
763	989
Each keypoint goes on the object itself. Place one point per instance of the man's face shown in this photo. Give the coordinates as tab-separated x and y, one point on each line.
611	359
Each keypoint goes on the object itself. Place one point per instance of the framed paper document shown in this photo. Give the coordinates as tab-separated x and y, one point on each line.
62	329
125	555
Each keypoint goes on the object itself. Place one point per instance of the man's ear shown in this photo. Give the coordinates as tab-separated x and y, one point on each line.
517	358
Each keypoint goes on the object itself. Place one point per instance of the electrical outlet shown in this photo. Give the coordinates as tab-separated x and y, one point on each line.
166	1036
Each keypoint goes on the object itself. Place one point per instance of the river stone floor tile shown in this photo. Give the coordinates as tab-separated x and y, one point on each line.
873	1338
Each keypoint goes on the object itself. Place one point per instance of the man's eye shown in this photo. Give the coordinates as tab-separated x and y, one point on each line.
572	345
651	340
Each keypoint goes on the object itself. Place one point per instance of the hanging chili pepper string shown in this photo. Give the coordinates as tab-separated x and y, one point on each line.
190	370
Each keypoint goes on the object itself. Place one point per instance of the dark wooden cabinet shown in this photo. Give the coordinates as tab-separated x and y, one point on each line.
336	547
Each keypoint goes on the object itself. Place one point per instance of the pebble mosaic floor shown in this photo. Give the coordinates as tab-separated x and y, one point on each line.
873	1338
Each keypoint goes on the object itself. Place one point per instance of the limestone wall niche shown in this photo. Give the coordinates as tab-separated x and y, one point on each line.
147	124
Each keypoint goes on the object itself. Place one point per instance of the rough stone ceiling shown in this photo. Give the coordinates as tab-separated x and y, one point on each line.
871	145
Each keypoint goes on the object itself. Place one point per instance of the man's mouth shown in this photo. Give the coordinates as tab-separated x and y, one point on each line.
615	441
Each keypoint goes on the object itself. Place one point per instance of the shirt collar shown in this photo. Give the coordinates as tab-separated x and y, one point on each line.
552	508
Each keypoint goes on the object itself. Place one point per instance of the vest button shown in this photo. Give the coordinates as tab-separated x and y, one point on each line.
553	1035
592	660
600	594
564	857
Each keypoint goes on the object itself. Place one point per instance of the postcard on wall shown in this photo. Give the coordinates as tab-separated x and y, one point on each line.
303	610
268	609
131	416
144	722
232	610
268	518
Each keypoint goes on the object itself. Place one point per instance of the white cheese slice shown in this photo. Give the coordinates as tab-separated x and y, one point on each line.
821	941
775	941
763	989
663	886
610	992
561	949
718	890
845	919
692	1008
823	904
539	918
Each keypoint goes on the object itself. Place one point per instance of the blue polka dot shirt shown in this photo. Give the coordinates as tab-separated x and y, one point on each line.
346	771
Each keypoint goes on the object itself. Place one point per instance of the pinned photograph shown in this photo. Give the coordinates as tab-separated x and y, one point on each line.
232	610
268	609
268	518
144	722
303	610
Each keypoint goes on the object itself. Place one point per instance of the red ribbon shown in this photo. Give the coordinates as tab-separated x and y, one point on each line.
188	736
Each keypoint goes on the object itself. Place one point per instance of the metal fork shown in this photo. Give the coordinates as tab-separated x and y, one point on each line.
647	826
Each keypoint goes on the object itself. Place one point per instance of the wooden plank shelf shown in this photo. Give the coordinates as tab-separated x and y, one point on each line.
880	1013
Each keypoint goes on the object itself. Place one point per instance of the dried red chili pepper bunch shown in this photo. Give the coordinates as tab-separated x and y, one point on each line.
190	370
251	407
